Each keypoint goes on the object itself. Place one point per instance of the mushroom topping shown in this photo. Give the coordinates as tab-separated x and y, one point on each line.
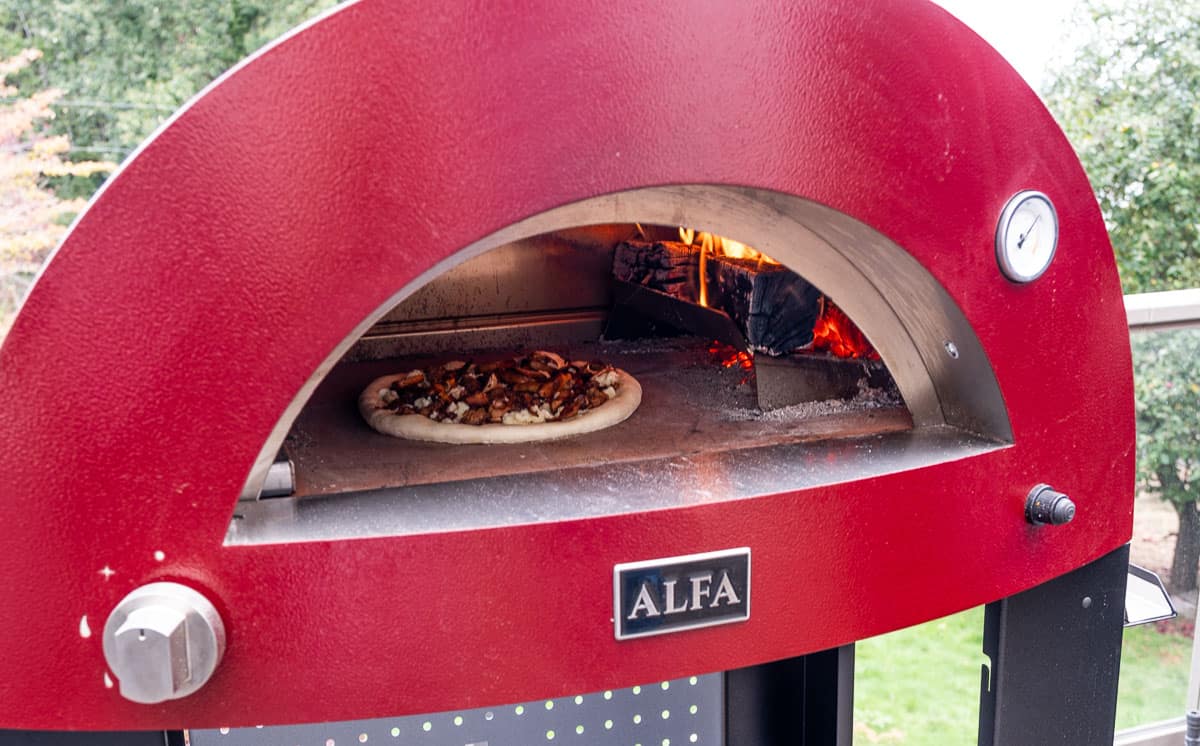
548	361
478	399
413	378
475	417
513	377
539	387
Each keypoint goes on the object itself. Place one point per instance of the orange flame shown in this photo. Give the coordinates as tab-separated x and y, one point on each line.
714	245
721	246
835	333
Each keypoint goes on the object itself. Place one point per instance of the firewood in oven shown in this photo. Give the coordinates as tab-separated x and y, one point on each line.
772	307
666	266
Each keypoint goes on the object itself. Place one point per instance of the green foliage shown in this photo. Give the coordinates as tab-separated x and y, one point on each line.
125	65
32	218
1127	101
1167	391
112	71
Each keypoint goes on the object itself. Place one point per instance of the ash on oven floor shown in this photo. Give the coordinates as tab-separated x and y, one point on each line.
670	713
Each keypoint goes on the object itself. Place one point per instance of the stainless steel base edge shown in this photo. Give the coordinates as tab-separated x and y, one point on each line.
594	491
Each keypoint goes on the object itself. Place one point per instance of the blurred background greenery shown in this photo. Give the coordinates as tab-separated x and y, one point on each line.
85	83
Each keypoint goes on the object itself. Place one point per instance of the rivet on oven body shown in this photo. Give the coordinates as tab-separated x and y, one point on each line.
163	641
1048	506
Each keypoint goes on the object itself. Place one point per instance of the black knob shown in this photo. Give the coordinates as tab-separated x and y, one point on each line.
1045	505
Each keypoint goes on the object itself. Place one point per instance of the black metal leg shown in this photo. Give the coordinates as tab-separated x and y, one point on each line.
805	701
1055	655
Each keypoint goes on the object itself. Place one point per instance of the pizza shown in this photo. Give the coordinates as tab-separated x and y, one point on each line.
534	397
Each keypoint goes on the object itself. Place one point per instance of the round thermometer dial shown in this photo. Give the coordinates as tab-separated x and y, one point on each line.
1026	236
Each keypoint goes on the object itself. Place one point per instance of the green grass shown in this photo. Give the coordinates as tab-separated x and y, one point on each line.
920	686
1154	676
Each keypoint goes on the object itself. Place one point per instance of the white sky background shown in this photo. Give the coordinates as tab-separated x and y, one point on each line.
1029	33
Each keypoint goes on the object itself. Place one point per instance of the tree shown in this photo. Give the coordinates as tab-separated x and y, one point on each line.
32	217
1168	399
112	72
1128	102
125	65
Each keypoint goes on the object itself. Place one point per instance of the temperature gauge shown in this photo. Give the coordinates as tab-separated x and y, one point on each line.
1026	236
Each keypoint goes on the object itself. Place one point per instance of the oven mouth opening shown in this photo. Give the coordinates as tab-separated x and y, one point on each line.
754	380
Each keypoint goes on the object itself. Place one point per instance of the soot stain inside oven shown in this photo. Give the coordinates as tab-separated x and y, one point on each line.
732	350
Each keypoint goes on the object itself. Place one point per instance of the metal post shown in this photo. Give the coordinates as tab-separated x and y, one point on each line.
1191	736
1193	694
804	701
1055	655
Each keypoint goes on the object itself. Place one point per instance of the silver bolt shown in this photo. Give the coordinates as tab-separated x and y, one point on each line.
951	349
163	641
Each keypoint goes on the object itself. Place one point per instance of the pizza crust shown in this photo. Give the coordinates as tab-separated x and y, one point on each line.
418	427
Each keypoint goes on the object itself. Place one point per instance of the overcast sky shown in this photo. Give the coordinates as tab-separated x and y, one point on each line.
1028	33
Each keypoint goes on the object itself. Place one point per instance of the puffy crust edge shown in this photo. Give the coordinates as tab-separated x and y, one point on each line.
417	427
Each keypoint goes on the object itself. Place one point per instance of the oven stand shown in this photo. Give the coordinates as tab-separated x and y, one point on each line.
1055	655
804	701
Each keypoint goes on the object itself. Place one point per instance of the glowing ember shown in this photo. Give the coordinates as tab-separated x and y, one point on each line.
835	333
731	357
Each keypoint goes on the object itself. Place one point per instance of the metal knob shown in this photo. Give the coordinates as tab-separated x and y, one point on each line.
1191	736
1045	505
163	641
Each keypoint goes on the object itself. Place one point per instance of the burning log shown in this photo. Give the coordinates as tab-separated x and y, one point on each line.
774	308
666	266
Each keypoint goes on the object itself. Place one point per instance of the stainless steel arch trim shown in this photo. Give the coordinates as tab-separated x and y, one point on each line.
905	313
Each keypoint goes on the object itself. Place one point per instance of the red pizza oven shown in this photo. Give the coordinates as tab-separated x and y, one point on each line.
199	519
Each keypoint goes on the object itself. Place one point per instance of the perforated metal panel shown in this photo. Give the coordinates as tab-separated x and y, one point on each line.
670	713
